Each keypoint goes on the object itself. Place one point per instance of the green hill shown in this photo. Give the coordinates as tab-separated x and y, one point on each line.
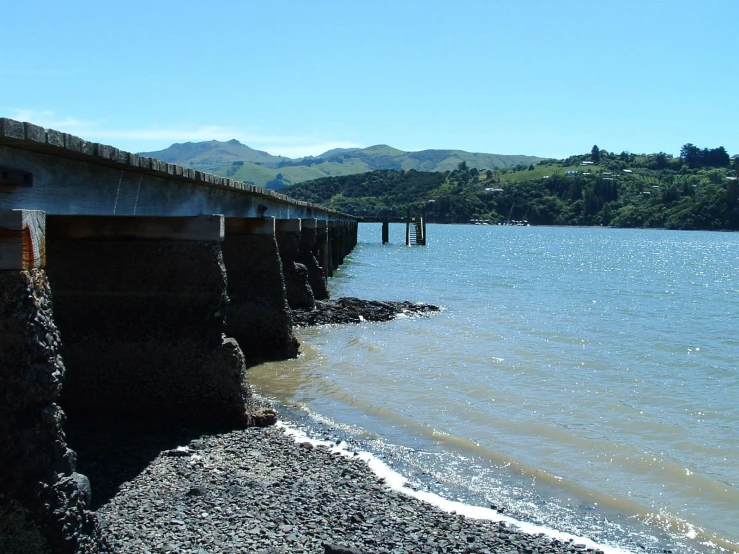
213	155
238	161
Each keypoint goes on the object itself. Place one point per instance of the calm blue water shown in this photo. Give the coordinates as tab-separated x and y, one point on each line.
581	378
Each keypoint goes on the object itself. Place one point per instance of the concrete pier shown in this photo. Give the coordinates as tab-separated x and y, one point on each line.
140	302
288	233
341	239
22	239
334	235
348	238
62	174
306	256
141	314
415	229
322	250
258	315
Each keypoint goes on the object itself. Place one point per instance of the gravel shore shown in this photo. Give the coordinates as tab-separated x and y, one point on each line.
257	490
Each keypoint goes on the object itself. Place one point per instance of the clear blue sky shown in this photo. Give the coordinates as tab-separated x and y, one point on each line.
546	78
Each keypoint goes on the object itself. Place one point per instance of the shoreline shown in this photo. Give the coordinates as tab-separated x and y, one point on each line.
258	490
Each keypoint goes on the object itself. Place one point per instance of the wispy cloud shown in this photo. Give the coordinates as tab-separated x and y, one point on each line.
47	118
283	145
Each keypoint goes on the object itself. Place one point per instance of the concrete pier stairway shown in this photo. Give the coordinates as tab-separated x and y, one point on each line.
415	232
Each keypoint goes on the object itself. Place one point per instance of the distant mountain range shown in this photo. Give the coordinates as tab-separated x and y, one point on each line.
238	161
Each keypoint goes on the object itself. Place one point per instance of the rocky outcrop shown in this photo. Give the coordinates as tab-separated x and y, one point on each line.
354	310
43	501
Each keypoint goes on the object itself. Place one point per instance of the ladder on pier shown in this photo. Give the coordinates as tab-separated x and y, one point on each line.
415	232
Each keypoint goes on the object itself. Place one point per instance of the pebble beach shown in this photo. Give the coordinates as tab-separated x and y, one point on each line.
260	490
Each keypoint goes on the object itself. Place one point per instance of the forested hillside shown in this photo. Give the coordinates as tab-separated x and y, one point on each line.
698	190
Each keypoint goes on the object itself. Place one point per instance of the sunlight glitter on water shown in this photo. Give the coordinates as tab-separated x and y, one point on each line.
630	398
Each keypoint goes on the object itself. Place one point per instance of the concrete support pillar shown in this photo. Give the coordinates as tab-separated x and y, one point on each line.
334	235
352	235
43	502
305	256
299	294
354	228
140	302
258	315
343	241
323	247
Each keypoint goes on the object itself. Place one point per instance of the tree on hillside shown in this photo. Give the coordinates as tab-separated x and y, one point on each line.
660	160
626	156
595	153
690	154
718	157
695	158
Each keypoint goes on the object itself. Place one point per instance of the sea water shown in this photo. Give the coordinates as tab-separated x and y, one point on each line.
584	380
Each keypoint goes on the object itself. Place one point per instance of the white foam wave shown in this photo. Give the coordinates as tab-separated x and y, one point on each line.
397	482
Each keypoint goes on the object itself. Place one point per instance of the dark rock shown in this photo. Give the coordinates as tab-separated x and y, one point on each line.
82	485
263	417
195	491
43	503
335	549
354	310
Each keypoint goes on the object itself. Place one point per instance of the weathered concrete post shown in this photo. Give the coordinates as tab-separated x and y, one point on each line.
258	315
323	247
299	293
140	302
353	226
343	241
334	236
43	502
305	256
